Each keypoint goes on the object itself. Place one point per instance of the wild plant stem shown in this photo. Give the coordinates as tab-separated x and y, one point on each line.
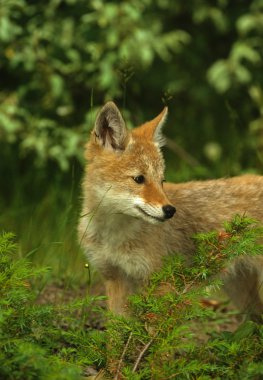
122	357
145	348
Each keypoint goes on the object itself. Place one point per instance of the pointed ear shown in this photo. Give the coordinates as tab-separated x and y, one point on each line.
152	130
110	130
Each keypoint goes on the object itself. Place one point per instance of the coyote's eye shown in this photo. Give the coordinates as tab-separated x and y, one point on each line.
139	179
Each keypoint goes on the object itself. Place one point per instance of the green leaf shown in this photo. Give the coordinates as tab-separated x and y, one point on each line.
243	51
219	76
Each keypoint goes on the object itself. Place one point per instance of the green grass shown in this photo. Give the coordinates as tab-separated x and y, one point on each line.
46	229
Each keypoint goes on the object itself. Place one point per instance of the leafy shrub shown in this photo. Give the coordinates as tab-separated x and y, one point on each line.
166	340
40	341
61	57
167	336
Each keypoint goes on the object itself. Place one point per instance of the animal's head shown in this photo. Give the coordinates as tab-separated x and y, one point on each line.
126	168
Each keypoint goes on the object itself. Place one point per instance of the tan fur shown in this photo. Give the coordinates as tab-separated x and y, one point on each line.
120	228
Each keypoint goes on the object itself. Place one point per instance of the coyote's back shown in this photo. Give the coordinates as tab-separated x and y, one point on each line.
128	221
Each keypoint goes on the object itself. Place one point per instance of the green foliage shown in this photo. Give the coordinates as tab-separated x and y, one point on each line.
170	337
169	333
59	58
214	249
40	341
64	50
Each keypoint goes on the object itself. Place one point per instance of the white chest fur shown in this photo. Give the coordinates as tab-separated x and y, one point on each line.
115	240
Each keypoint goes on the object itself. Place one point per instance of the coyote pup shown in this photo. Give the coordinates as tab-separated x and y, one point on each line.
129	221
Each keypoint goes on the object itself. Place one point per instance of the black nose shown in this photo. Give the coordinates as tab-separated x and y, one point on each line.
168	211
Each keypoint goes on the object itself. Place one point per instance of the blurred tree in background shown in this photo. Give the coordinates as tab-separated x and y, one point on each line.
62	59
